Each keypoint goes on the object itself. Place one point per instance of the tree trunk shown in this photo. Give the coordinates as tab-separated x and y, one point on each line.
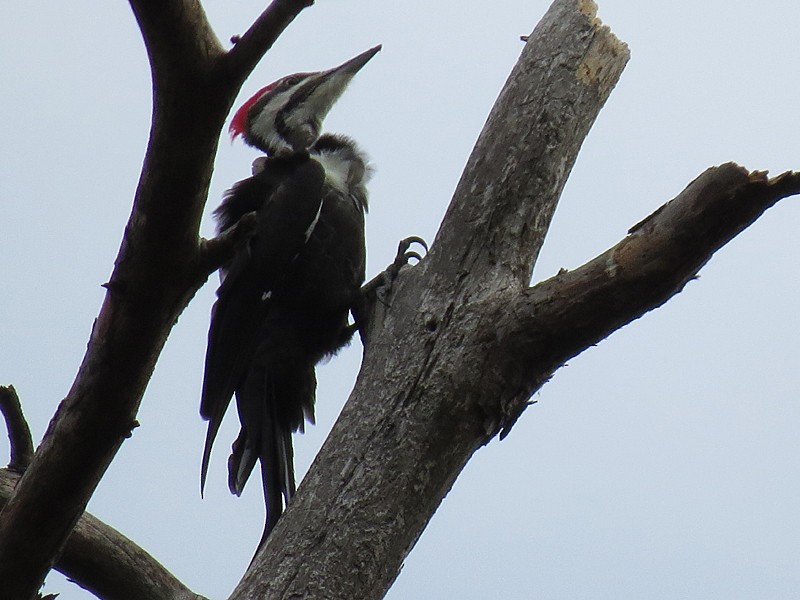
430	392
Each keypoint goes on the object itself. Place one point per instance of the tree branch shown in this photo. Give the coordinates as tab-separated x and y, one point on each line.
19	434
410	425
546	325
178	37
160	266
105	562
505	200
256	41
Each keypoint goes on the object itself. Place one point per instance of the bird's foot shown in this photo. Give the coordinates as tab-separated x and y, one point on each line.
381	285
379	288
405	254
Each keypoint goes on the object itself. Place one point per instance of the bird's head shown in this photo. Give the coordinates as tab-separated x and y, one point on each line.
285	117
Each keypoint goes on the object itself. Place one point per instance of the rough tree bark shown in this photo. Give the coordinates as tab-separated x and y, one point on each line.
465	342
418	412
449	363
160	265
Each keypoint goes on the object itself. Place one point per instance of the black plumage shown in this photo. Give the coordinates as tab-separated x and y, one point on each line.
283	305
285	296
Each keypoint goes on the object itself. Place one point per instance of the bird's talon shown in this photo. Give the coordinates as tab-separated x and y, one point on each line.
404	254
406	243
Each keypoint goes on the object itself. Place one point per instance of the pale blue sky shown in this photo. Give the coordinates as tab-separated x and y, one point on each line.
661	464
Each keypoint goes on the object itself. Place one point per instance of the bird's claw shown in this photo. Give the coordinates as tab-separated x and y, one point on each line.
405	244
381	285
379	288
401	259
404	254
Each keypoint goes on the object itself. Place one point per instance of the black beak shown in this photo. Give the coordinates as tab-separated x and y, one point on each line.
353	66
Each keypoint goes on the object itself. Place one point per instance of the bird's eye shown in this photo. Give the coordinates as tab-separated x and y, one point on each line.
292	80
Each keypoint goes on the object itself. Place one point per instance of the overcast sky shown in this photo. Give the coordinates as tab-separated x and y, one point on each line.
661	464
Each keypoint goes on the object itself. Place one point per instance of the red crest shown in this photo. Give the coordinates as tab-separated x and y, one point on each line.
239	121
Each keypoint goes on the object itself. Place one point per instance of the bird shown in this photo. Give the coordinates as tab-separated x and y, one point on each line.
285	297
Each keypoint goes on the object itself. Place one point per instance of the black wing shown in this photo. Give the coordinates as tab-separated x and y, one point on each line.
289	200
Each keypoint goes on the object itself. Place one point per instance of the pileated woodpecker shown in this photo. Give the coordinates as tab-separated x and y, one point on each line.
285	296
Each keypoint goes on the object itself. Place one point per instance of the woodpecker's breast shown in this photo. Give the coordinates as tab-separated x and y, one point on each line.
337	171
345	166
329	269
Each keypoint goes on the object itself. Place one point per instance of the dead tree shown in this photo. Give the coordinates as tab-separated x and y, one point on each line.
450	360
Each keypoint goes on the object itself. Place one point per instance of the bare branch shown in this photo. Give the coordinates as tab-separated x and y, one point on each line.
157	271
548	324
105	562
19	434
177	35
502	207
253	44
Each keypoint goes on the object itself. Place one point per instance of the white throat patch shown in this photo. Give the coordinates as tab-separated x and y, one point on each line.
337	170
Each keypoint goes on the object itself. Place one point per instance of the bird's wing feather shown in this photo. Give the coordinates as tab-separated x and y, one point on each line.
256	272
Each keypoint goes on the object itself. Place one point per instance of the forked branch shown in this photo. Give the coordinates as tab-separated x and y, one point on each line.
410	424
159	268
549	323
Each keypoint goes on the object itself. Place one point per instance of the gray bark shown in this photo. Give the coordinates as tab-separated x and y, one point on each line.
424	400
